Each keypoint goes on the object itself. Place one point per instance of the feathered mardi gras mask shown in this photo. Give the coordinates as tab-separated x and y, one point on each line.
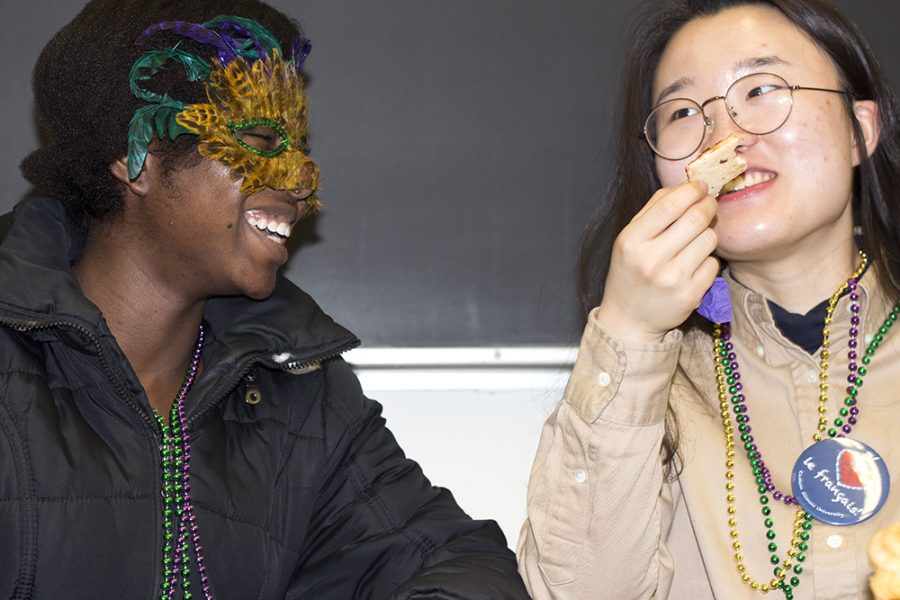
255	120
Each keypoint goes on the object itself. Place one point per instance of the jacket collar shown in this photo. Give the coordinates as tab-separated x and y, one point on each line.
35	257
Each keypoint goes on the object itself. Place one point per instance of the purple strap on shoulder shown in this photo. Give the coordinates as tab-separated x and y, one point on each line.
716	303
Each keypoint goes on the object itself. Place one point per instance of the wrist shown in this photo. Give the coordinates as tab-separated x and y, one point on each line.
620	327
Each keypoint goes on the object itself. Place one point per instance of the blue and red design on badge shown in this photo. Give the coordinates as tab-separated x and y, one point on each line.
840	481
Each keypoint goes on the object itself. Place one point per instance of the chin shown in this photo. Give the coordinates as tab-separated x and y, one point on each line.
258	289
752	252
260	293
749	241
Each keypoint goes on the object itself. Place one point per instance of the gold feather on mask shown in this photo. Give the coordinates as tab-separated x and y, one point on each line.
256	101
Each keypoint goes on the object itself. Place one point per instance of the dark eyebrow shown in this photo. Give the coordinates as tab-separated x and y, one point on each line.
670	89
747	64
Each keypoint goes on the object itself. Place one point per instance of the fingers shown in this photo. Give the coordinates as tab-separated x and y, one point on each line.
680	278
662	263
693	228
703	277
666	205
672	221
692	266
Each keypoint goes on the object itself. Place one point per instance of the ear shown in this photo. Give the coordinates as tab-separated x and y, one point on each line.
866	112
137	186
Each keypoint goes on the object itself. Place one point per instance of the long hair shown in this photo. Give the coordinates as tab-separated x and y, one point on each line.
876	203
876	179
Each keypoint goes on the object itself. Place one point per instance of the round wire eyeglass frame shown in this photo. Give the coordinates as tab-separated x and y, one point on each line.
732	114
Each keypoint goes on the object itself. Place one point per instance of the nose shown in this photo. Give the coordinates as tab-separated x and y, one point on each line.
720	122
300	194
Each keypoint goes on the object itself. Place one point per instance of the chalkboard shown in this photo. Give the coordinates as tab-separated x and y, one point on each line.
463	144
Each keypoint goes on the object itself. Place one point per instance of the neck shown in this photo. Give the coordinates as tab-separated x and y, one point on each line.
155	326
797	283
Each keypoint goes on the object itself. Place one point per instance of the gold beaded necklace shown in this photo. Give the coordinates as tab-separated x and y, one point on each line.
727	381
800	534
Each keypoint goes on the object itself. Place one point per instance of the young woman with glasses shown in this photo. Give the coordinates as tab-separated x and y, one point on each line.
738	454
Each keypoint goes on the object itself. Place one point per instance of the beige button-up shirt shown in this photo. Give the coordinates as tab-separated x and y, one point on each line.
605	522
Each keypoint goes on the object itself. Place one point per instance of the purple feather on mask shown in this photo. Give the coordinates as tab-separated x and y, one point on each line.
198	33
300	49
237	34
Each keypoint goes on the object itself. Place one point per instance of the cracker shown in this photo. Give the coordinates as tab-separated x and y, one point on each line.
717	165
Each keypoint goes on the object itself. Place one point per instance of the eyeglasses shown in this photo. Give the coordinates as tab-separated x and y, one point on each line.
758	103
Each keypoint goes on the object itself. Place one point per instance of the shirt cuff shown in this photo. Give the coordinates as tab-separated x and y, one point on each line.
624	382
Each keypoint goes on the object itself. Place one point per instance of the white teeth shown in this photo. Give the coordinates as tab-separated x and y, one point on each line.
277	230
749	179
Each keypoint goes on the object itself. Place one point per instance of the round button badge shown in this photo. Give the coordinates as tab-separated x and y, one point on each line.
840	481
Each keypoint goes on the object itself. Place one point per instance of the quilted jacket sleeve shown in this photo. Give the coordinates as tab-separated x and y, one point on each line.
380	530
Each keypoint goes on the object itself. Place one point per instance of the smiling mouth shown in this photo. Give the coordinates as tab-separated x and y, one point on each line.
275	227
746	180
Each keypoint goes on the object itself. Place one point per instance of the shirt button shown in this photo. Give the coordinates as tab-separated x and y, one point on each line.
834	541
760	351
868	339
603	379
811	376
580	476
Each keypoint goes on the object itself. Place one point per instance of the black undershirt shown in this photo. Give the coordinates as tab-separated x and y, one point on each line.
803	330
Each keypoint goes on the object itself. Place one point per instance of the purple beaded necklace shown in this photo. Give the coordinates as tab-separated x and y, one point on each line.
180	529
728	379
850	411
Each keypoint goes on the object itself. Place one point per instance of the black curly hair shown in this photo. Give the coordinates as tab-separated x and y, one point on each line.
83	102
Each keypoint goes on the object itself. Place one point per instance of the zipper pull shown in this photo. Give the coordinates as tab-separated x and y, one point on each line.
252	395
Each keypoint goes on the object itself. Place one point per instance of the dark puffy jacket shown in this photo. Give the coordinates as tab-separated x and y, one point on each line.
304	494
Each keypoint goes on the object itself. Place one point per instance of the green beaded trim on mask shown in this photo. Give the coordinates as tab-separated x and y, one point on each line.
285	142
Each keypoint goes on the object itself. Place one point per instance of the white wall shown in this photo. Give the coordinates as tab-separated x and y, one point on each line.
471	417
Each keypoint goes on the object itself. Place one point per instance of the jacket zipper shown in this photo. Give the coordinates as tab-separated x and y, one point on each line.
221	391
34	325
231	383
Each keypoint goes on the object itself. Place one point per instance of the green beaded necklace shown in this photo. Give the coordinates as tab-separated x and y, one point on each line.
180	530
727	380
173	500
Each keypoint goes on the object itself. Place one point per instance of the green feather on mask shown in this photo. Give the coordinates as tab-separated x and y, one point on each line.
158	117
